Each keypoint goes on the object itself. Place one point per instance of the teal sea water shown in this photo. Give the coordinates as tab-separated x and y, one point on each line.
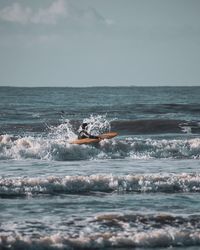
139	190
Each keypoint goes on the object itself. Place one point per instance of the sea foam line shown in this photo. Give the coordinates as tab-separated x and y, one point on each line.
167	183
105	230
119	231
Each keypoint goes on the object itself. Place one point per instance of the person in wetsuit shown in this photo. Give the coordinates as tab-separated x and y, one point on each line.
84	134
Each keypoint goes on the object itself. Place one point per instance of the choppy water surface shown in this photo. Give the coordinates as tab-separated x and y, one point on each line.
140	190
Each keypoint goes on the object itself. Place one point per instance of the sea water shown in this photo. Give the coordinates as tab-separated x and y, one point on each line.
139	190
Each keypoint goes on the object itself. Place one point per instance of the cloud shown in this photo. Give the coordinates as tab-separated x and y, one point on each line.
51	14
59	9
18	14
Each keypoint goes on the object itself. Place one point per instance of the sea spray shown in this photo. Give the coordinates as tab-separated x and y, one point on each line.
98	124
63	131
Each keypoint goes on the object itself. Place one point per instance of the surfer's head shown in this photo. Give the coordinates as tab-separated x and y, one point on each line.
84	125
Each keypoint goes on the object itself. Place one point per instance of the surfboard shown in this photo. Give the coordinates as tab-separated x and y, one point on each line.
108	135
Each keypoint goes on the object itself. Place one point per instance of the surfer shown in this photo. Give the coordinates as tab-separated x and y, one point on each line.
84	134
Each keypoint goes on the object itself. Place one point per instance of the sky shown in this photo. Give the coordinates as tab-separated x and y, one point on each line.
99	42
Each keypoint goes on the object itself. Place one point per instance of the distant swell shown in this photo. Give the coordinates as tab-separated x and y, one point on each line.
155	126
99	183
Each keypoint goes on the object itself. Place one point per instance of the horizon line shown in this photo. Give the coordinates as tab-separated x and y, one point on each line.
101	86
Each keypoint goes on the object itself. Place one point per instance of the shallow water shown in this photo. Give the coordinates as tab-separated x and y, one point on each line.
139	190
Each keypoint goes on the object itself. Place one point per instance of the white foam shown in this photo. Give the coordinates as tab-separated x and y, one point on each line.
55	146
186	129
100	183
105	230
152	238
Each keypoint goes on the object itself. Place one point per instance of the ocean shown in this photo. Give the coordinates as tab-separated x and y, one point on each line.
139	190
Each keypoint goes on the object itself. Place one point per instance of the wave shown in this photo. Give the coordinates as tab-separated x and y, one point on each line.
52	185
58	148
124	127
54	144
110	231
156	126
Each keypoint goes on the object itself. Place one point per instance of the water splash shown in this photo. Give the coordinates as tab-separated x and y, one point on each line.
57	147
64	131
97	124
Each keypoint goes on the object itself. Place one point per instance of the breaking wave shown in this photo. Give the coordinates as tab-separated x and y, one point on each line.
113	230
52	185
55	143
59	148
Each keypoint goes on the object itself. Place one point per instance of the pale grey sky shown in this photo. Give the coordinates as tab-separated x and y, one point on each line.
99	42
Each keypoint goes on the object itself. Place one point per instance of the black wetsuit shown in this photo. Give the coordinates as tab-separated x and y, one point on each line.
84	134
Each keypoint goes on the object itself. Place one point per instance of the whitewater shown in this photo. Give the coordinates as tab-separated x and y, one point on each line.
139	190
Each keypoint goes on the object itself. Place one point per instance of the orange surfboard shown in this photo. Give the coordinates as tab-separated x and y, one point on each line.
108	135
